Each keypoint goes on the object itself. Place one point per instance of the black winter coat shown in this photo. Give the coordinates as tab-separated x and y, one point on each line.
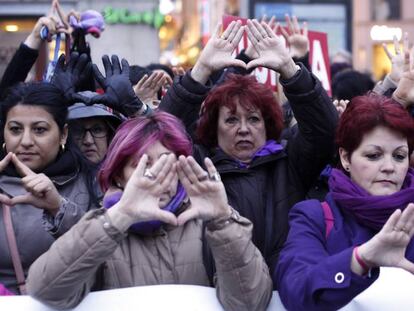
265	191
19	67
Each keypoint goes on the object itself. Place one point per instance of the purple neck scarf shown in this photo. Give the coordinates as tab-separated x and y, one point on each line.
370	211
148	227
270	147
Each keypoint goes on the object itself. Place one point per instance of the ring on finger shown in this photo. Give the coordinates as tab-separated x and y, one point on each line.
203	178
215	176
149	175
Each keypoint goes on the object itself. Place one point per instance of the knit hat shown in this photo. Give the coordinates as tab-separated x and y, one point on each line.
91	21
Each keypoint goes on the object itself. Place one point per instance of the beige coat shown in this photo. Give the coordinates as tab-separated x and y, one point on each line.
65	274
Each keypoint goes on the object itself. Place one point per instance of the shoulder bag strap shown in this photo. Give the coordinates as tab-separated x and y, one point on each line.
14	252
329	219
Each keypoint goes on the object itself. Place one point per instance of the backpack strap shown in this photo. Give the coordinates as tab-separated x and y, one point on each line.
328	216
14	252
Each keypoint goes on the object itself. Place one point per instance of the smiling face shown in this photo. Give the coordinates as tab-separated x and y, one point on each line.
240	133
380	163
154	152
33	135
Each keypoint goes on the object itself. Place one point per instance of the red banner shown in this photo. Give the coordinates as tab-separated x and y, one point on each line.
318	57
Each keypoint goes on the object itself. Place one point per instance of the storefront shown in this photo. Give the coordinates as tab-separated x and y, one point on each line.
375	22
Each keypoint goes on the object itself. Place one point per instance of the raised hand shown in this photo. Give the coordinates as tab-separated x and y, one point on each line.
296	38
404	94
206	191
340	105
250	50
141	196
41	192
119	94
271	50
69	77
387	248
178	71
147	88
217	54
400	62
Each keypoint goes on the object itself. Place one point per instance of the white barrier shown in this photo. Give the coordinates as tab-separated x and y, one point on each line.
394	290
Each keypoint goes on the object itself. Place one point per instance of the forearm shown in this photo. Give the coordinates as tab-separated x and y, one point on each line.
321	283
243	280
68	214
383	86
63	275
184	99
19	66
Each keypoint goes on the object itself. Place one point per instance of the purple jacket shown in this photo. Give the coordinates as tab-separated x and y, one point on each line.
314	272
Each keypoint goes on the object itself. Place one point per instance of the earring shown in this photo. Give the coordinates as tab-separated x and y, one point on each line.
347	168
4	147
63	147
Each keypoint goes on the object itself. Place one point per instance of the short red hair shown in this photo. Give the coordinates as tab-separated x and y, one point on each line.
364	113
250	94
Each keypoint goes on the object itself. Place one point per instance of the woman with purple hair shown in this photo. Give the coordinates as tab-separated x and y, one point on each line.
160	210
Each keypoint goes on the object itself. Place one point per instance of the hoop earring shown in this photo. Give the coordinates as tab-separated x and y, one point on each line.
4	147
63	147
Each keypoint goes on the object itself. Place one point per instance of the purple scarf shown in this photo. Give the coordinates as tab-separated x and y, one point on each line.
4	291
270	147
369	210
148	227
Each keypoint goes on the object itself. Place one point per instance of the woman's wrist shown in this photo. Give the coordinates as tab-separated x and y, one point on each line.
360	263
288	70
120	219
33	41
200	73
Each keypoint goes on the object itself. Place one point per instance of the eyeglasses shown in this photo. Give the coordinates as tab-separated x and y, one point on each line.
97	131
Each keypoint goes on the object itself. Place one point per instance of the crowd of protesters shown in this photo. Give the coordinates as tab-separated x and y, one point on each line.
145	175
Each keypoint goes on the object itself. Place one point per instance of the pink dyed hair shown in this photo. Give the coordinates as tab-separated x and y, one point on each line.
135	136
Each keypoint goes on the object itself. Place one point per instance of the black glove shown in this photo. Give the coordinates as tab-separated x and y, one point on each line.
68	78
119	94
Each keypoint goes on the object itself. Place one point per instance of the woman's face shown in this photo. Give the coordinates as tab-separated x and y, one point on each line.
91	136
33	135
154	152
242	133
380	163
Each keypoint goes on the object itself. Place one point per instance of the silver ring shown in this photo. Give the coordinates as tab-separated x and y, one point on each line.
149	175
215	176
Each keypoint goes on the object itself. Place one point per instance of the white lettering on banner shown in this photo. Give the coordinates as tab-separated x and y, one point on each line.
319	66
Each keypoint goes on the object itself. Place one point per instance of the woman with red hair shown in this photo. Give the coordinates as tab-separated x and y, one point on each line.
240	124
334	250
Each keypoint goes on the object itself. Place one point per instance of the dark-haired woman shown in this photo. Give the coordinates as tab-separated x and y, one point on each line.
42	178
240	126
334	250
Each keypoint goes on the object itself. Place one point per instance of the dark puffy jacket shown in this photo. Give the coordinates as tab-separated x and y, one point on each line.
265	191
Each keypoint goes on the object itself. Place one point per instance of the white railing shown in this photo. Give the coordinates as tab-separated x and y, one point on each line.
394	290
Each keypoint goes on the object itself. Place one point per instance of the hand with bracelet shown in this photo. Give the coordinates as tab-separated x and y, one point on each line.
387	248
